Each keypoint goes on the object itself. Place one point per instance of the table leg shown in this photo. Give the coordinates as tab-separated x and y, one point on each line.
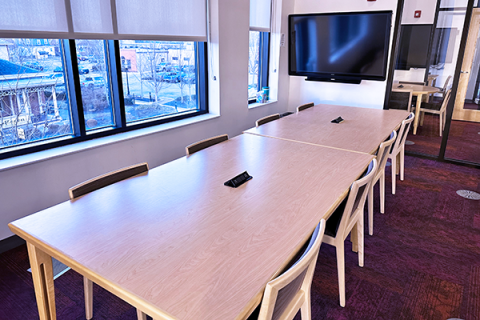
42	273
353	238
417	113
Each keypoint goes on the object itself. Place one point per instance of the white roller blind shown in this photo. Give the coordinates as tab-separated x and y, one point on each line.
183	20
260	15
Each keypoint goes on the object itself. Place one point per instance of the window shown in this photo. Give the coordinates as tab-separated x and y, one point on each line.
159	79
34	101
54	92
257	63
258	53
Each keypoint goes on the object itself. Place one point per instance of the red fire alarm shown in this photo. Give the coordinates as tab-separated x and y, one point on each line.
418	13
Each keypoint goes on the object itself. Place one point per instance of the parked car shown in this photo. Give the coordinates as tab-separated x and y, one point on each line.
33	65
188	77
171	77
58	69
163	66
150	76
92	82
83	69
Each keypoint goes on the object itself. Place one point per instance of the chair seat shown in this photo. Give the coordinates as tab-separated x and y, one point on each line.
431	106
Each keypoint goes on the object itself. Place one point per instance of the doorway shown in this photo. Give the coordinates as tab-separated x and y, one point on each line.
464	136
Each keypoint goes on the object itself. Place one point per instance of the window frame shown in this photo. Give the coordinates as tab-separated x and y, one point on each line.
264	61
120	125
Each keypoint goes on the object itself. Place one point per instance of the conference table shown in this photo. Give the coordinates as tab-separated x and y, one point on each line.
362	130
419	91
177	244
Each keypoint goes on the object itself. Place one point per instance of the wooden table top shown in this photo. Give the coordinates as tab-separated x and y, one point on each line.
418	89
362	131
178	244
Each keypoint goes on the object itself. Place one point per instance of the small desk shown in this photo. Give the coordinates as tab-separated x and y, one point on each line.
419	91
177	244
362	131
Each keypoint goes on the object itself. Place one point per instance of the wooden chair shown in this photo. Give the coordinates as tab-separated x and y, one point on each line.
399	149
290	291
444	89
400	99
200	145
305	106
436	108
92	185
106	180
267	119
348	215
382	157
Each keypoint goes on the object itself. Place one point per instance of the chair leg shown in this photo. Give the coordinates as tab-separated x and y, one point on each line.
394	171
402	163
341	271
382	192
141	315
88	290
440	124
360	240
422	116
306	309
370	210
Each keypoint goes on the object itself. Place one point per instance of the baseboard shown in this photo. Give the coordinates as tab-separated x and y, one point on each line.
10	243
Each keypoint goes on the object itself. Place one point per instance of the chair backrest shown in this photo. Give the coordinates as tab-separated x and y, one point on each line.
445	100
384	150
400	99
267	119
284	293
356	200
200	145
402	133
420	83
305	106
445	85
106	180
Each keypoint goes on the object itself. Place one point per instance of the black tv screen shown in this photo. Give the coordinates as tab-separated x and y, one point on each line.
413	46
339	46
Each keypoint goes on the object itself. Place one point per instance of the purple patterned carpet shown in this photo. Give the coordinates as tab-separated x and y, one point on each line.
422	263
463	141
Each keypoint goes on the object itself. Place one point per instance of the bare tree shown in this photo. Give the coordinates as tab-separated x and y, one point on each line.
149	58
184	56
253	57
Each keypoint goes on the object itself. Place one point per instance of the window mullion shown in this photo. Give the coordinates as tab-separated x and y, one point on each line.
115	67
264	60
71	63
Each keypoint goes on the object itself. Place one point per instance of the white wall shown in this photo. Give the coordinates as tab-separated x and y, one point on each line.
33	187
370	94
426	6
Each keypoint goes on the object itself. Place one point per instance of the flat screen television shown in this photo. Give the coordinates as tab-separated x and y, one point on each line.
339	47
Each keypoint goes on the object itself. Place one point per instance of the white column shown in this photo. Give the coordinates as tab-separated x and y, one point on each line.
40	102
19	104
12	107
55	105
28	110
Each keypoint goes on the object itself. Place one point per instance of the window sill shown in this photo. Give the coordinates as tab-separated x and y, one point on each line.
258	104
31	158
